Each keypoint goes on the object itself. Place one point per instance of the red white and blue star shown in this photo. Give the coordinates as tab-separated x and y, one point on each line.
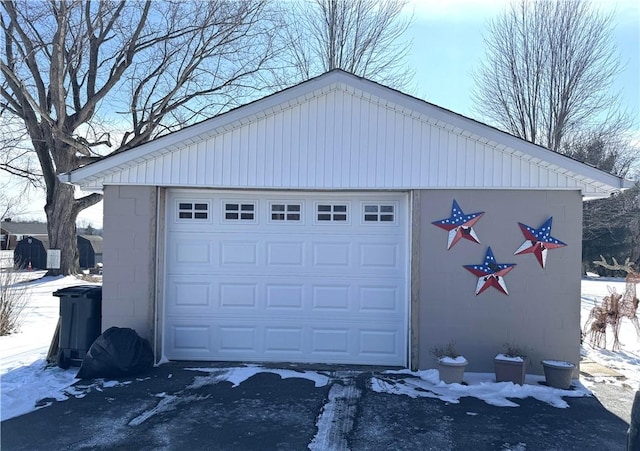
538	241
459	225
490	273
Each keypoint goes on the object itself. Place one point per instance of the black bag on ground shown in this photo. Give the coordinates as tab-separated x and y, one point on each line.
117	352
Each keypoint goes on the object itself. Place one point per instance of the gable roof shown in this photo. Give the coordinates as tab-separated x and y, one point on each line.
340	131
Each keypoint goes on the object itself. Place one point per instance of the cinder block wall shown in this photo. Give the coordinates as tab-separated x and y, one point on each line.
542	311
129	258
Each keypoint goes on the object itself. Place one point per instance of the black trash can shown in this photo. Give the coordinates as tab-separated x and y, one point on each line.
80	322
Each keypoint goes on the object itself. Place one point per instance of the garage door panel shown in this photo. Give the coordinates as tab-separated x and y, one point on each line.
190	256
284	297
378	343
331	297
192	294
192	337
189	295
192	252
193	341
238	253
379	256
289	254
284	340
385	299
330	341
280	258
278	290
240	296
239	340
333	255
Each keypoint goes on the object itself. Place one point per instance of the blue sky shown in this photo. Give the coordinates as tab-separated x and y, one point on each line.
448	46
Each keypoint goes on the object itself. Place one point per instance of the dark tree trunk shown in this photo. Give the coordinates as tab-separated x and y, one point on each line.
61	225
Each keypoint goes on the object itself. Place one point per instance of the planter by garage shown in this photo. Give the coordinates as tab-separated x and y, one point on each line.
558	373
510	369
451	369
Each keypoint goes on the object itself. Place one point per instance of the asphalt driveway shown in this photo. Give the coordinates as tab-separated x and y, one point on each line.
176	408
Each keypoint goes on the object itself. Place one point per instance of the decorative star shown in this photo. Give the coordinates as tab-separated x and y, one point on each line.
490	273
538	241
459	225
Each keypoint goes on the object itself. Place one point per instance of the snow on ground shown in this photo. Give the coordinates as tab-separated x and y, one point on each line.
627	360
240	374
24	377
26	383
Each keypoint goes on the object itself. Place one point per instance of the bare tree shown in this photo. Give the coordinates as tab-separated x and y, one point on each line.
155	66
609	148
17	157
548	72
612	226
12	201
364	37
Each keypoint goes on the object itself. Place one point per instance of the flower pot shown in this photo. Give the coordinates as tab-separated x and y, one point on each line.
510	369
451	370
558	373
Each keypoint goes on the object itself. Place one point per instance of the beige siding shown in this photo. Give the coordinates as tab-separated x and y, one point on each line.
542	311
129	258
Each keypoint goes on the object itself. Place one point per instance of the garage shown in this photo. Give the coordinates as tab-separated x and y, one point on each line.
303	227
317	277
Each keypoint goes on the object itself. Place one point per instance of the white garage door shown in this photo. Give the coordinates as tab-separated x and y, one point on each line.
297	277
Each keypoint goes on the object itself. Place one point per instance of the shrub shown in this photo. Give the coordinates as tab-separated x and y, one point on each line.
447	350
513	350
12	302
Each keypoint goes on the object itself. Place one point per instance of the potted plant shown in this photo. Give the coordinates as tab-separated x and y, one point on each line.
451	364
558	373
511	365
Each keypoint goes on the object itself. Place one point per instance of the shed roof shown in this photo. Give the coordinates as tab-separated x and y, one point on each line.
24	228
95	241
340	131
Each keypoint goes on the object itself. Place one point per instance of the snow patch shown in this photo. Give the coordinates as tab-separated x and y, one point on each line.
426	384
454	360
342	404
507	358
23	388
238	375
558	363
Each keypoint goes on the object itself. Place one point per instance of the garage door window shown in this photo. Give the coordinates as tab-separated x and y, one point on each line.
193	210
285	212
379	213
331	212
235	211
